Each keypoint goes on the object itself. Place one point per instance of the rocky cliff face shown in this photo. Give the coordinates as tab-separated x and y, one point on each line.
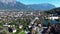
11	4
8	1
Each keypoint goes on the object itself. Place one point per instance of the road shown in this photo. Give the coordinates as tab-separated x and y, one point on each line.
39	30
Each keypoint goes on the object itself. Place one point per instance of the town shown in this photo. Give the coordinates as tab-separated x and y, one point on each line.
26	22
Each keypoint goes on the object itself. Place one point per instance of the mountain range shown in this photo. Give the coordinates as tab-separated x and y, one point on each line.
18	5
44	6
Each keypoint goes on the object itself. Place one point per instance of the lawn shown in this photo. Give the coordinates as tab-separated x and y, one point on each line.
22	33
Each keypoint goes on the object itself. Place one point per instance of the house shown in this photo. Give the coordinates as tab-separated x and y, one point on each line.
20	26
36	18
11	29
39	25
14	30
29	26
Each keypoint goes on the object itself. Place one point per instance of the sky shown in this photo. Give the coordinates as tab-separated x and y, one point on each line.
27	2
